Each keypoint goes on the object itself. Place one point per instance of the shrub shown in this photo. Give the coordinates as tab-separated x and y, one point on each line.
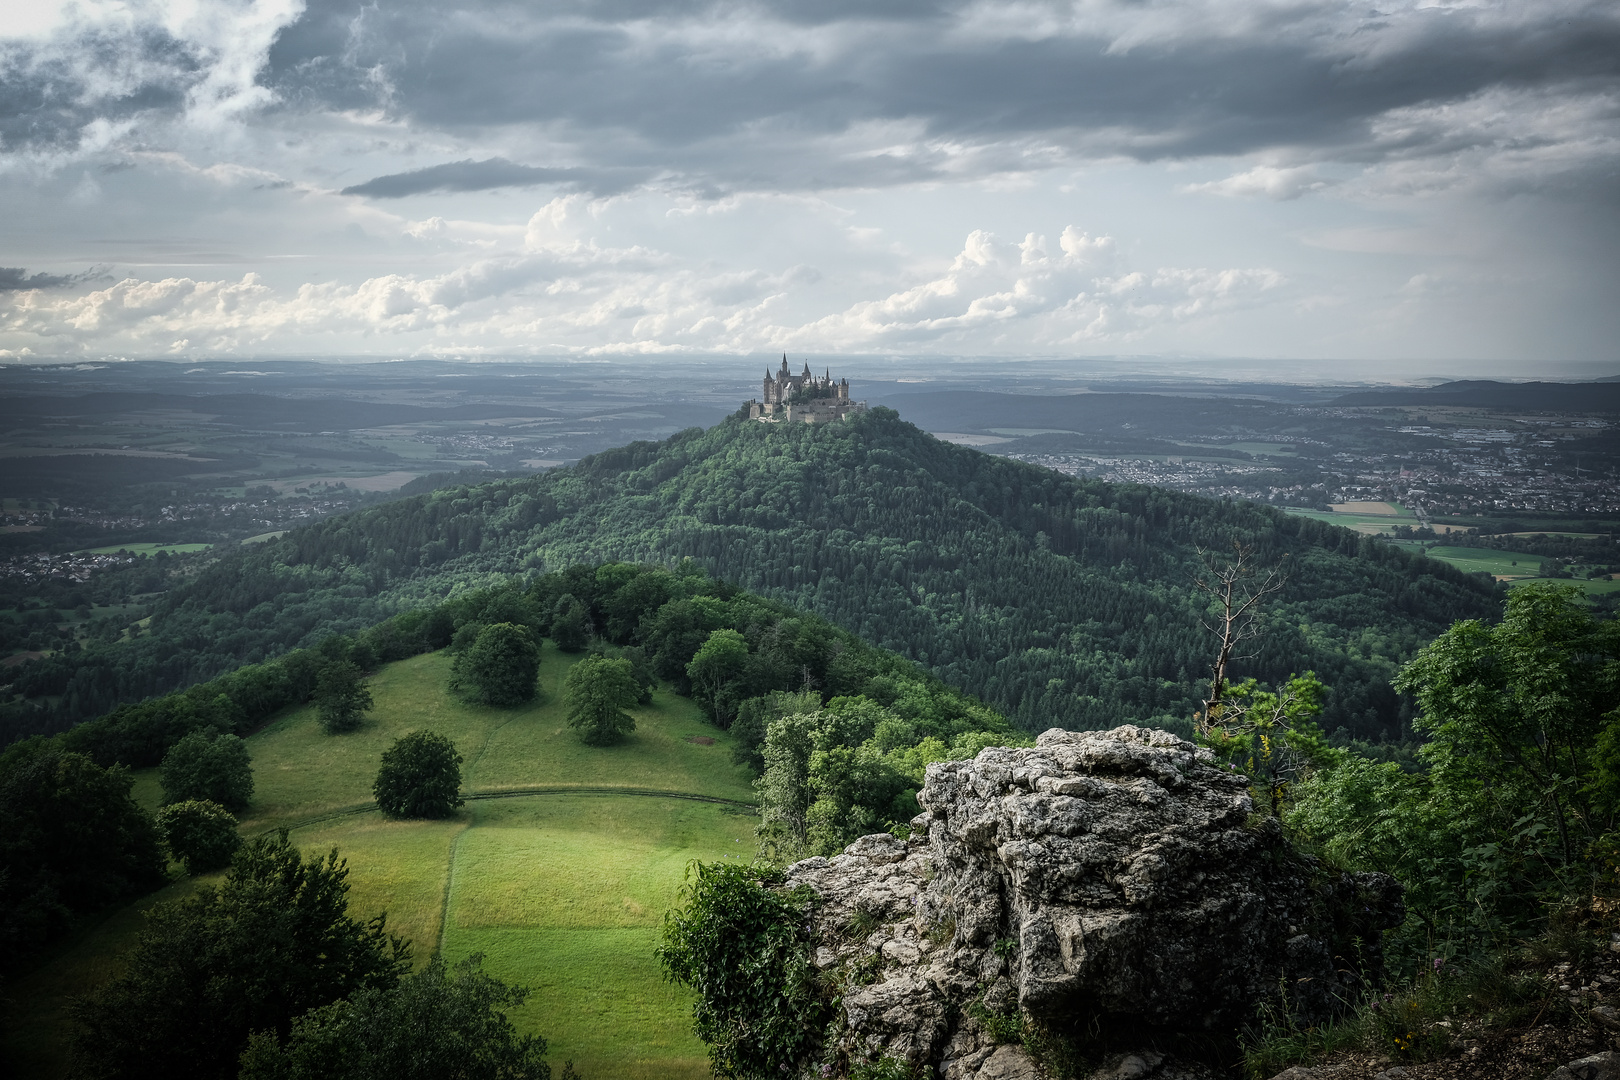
499	667
599	690
744	947
200	834
420	777
211	767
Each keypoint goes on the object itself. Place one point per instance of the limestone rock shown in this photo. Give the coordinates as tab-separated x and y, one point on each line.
1115	875
1604	1066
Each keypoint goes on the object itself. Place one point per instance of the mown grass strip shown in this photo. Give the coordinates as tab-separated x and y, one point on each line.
520	793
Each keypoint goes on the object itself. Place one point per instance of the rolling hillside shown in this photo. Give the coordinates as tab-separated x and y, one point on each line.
559	868
1060	601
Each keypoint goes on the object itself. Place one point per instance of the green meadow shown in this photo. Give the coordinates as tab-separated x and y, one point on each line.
1497	563
146	549
559	871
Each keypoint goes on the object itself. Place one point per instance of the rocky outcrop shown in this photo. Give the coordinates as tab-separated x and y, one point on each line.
1113	880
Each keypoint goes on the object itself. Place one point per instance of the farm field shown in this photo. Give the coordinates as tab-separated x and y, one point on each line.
145	549
1502	564
559	872
1372	524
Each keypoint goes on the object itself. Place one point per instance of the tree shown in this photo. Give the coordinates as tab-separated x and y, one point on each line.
599	690
1232	584
499	667
571	629
784	787
744	948
204	765
274	941
437	1023
341	696
714	671
200	834
420	777
73	842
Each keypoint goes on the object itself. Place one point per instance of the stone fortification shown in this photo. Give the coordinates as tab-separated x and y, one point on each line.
1111	881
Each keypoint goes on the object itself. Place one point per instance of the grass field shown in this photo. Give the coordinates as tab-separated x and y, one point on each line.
1372	524
562	892
1496	563
145	549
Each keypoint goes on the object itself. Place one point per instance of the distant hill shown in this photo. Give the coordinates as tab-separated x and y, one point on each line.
264	410
1602	396
1060	601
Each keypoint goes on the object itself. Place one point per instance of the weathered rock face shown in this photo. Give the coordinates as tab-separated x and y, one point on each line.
1118	877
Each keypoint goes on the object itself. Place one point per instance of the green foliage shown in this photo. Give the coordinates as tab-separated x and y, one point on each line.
1517	802
200	834
207	766
420	777
599	689
920	546
571	629
274	941
744	947
1271	735
499	667
341	696
73	843
854	767
437	1023
718	664
886	1069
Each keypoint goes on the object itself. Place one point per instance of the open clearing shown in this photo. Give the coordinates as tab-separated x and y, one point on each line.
562	891
145	549
1376	509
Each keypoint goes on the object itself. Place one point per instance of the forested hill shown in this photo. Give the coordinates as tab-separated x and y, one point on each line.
1061	601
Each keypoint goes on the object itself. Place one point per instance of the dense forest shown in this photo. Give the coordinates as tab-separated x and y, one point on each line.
1058	600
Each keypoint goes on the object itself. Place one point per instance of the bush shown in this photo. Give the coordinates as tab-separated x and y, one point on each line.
744	947
200	834
599	690
420	777
341	696
499	667
436	1023
274	941
210	767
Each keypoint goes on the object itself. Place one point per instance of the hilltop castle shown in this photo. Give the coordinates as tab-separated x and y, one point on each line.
803	398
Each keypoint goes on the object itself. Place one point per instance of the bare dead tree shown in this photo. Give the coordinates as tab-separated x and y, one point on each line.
1236	585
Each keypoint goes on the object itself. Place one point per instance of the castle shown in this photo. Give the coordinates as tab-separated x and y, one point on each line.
802	398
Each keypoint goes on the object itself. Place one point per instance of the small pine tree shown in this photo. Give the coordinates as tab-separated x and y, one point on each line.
420	777
599	690
200	834
341	697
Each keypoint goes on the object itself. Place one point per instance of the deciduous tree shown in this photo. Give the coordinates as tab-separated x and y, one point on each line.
200	834
204	765
341	696
420	777
599	689
274	941
499	667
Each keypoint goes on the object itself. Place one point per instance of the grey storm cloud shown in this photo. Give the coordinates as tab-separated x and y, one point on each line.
51	91
486	175
1316	79
17	279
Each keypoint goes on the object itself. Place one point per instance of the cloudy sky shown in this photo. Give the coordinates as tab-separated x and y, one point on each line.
1385	181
